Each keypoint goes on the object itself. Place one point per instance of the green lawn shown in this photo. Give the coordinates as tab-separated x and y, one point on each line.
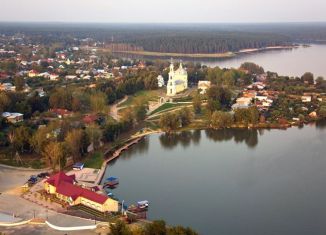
145	95
167	106
95	161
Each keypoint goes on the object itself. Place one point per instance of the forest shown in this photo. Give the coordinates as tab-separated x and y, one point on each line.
173	38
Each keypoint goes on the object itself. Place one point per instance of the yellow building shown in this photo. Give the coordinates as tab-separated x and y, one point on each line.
178	80
64	188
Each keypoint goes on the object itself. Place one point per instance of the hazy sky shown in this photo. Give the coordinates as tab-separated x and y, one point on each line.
164	11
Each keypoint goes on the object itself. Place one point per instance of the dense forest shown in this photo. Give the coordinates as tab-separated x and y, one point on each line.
175	38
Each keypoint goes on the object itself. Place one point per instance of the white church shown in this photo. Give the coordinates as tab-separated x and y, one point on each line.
178	80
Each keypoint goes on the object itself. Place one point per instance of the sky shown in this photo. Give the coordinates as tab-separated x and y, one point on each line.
163	11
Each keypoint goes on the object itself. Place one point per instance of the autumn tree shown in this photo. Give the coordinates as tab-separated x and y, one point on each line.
20	138
98	102
94	134
54	155
74	143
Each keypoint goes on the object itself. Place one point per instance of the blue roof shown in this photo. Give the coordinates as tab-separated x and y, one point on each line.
78	164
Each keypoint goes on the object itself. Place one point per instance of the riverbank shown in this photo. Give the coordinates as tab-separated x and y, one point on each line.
206	55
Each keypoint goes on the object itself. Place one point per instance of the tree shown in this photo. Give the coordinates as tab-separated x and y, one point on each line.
185	116
252	68
74	143
253	115
94	134
213	105
157	227
196	102
4	101
140	110
119	228
179	230
39	140
20	138
54	156
98	102
19	82
221	119
169	122
308	78
322	111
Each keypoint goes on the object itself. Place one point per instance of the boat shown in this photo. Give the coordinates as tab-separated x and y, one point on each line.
111	182
143	204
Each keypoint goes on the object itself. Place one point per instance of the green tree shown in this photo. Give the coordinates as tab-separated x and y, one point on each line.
119	228
308	78
185	116
322	111
169	122
4	101
221	119
196	102
157	227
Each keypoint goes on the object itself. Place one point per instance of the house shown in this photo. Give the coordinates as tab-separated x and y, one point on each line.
54	77
90	118
33	73
242	102
257	86
7	86
61	112
65	188
160	81
70	77
203	86
13	117
306	99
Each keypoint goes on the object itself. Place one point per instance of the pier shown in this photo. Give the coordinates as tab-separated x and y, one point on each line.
114	156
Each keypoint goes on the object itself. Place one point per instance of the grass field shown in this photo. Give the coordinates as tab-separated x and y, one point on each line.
95	161
145	95
167	106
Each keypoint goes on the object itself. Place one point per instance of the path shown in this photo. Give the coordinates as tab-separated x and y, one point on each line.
114	109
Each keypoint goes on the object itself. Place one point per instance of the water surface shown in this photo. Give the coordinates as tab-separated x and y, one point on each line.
293	62
232	181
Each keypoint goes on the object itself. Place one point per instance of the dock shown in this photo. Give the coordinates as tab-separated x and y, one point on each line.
114	156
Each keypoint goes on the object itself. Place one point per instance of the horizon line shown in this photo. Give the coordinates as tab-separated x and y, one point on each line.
154	23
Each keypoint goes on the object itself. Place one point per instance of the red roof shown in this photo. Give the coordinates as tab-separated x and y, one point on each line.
61	112
64	186
90	118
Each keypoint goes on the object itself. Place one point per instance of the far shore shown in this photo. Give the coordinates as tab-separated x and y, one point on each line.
206	55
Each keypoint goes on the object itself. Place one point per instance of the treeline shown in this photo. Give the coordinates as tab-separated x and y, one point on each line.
206	42
188	38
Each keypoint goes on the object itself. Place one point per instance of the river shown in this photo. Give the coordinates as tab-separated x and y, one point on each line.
233	182
289	62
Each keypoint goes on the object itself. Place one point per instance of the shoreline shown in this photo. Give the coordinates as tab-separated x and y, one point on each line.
207	55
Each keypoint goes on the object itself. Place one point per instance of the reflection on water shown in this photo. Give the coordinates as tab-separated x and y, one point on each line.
185	138
321	124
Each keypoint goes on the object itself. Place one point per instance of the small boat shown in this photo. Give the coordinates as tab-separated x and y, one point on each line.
111	182
110	194
143	204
